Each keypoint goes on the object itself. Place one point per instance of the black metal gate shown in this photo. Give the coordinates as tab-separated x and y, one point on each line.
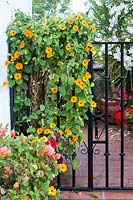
97	133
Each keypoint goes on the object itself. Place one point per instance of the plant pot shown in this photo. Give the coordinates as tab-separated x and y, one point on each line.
111	108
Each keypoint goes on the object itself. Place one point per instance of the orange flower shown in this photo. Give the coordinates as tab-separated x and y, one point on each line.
19	66
68	47
26	197
52	125
75	138
82	86
85	23
54	90
75	28
93	104
68	132
49	55
28	33
88	75
12	59
70	21
52	191
73	99
59	63
22	45
71	54
93	50
81	103
13	32
78	82
62	27
89	44
87	48
40	130
94	28
46	131
85	78
78	16
48	50
17	76
7	62
16	54
63	167
85	63
5	83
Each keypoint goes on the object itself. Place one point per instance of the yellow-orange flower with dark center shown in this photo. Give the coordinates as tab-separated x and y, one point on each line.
75	138
87	48
28	33
16	54
48	50
88	75
85	63
71	54
85	23
17	76
93	50
59	63
40	130
63	167
54	90
7	62
22	45
78	16
94	28
13	32
73	99
68	132
68	47
52	125
81	103
5	83
85	78
75	28
89	44
70	20
19	66
46	131
82	86
25	197
12	59
49	55
62	27
93	104
52	191
78	82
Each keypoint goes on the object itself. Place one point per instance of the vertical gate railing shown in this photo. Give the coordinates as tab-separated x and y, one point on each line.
93	128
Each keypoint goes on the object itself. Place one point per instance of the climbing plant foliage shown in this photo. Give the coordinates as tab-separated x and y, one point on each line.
48	68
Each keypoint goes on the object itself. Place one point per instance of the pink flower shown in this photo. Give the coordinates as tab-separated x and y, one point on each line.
49	150
125	95
2	131
57	156
8	170
117	108
4	152
52	141
12	133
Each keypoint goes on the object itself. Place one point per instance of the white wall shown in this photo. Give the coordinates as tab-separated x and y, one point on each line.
6	12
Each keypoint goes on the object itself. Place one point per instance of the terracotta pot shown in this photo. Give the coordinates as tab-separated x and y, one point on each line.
111	108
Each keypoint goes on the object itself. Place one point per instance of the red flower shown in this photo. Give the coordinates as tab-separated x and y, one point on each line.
118	118
52	141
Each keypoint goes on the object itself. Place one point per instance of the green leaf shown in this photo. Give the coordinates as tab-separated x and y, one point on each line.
62	90
75	163
69	105
34	116
11	83
28	69
42	107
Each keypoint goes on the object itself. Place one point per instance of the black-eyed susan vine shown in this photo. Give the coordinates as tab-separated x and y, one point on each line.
47	64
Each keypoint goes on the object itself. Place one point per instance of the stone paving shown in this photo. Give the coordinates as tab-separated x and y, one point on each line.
99	169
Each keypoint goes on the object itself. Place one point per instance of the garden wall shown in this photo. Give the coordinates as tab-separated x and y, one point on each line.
6	12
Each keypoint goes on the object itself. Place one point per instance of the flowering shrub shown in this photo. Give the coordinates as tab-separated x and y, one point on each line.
27	167
128	112
47	64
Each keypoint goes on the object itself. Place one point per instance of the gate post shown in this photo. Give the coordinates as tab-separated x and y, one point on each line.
90	135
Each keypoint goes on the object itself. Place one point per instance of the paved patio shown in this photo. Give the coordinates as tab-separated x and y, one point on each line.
99	168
